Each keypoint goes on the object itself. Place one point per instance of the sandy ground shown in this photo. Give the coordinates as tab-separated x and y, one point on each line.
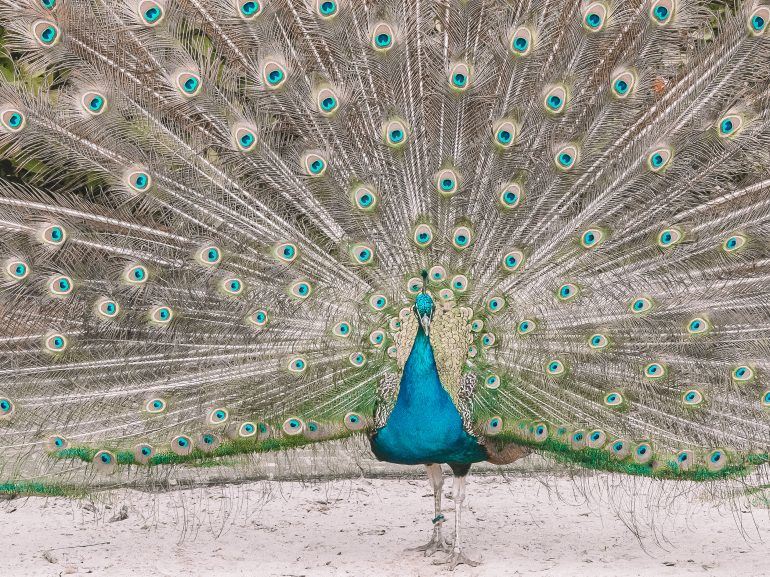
516	526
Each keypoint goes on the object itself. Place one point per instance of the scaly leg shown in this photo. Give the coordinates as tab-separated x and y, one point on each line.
437	542
457	557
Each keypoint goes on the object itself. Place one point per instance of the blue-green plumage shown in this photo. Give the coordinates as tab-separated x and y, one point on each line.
424	426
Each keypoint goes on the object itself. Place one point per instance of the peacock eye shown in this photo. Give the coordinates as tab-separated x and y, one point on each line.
566	157
669	237
364	198
655	371
413	286
143	453
297	365
521	41
477	325
273	74
591	238
161	315
327	102
232	286
526	326
377	337
567	291
54	235
209	255
511	195
188	83
758	20
301	289
357	359
460	76
396	133
245	139
698	325
598	341
362	254
596	439
423	235
382	37
765	400
613	399
495	304
716	460
60	285
504	132
315	164
692	397
48	4
460	283
378	302
56	343
93	103
640	305
394	324
487	340
555	367
12	120
594	16
151	12
659	158
437	273
461	239
247	429
286	252
46	33
342	329
218	416
743	373
326	8
258	318
622	83
6	408
661	11
17	269
447	182
733	243
555	99
136	275
539	432
730	125
494	426
492	381
138	180
643	453
248	9
181	445
513	260
107	308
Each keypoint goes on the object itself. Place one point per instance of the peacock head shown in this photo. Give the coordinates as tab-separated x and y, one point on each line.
423	305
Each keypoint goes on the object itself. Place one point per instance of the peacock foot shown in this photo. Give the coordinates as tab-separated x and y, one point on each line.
437	543
457	557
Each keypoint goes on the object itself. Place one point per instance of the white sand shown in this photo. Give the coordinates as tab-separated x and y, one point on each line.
362	527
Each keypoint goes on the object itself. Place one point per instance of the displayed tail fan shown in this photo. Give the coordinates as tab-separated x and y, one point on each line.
215	217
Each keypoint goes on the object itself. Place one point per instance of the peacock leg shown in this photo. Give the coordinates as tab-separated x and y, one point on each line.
438	542
457	557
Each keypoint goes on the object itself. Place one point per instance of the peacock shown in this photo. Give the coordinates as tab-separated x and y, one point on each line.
468	230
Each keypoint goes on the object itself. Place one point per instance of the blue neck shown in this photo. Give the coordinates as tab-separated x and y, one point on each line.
425	426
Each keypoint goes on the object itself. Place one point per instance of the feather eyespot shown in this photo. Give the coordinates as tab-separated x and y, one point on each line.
659	158
378	302
495	304
377	338
315	164
511	195
218	416
566	157
504	133
357	359
733	243
697	326
232	286
104	461
7	408
56	343
327	101
488	340
382	37
655	371
326	8
669	237
494	426
60	285
730	125
423	235
716	460
592	238
598	341
395	133
286	252
513	260
154	406
447	182
161	315
209	255
273	74
555	368
643	453
362	254
567	292
477	325
437	273
684	460
245	139
248	9
661	11
342	329
138	180
297	365
293	426
594	17
12	120
17	269
181	445
247	429
613	399
143	453
640	305
555	99
207	442
526	326
151	12
460	76
258	318
136	275
620	449
692	397
107	308
743	373
93	103
354	422
460	283
596	439
364	198
622	83
758	20
492	381
54	235
462	237
301	289
49	4
46	33
188	83
521	41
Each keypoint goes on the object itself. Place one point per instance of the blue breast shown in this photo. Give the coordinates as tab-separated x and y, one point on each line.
424	426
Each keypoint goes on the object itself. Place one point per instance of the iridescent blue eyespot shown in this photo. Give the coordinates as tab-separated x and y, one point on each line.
495	304
301	289
188	83
613	399
250	9
641	305
567	291
6	407
382	37
378	302
273	74
554	102
383	40
49	4
46	33
462	237
654	371
364	198
327	8
520	44
459	76
297	365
